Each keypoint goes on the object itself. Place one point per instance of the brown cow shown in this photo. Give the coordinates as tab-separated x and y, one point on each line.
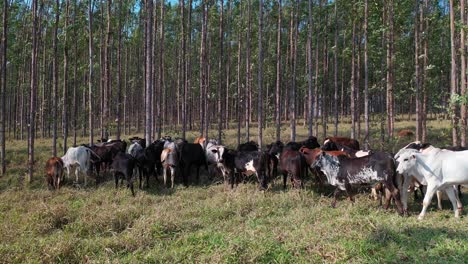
54	172
336	143
199	140
405	133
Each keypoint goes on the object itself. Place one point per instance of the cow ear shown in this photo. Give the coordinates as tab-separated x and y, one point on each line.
413	156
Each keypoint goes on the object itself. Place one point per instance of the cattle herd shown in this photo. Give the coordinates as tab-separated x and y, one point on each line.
339	162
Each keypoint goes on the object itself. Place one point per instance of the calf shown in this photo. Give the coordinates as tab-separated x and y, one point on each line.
274	151
250	162
191	154
214	157
123	165
344	172
293	164
405	133
169	160
138	153
330	142
78	159
54	172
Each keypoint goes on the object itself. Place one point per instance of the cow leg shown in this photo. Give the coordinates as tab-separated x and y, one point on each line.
164	176
348	192
335	195
431	189
198	173
130	184
452	195
285	178
396	196
404	193
439	200
172	177
116	178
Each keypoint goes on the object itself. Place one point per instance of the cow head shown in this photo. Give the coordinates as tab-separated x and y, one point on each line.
275	148
214	154
406	161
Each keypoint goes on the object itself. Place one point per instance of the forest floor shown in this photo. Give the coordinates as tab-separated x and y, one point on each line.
206	223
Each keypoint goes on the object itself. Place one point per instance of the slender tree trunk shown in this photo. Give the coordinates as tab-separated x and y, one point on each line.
366	77
417	77
220	70
239	84
453	76
161	70
425	64
65	81
90	66
203	62
32	104
55	81
335	73
353	81
248	74
3	90
310	69
184	68
390	60
278	75
148	70
260	74
463	73
292	98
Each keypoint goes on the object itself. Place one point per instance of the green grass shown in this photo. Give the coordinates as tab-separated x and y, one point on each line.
209	224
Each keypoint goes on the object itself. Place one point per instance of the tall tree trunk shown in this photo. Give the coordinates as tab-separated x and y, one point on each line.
107	81
248	74
148	70
65	81
353	81
161	69
278	75
119	72
390	60
417	77
220	70
227	96
3	90
239	84
260	74
366	77
292	98
55	81
425	64
335	72
310	115
32	104
90	77
453	77
75	80
463	73
203	62
184	68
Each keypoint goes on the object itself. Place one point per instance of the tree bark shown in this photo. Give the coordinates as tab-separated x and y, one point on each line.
366	77
184	68
453	77
278	75
221	71
90	77
310	115
148	70
390	60
248	74
3	90
417	77
353	81
55	81
119	72
335	72
65	81
260	74
32	104
462	73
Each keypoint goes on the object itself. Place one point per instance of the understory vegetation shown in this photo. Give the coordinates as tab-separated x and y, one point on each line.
206	223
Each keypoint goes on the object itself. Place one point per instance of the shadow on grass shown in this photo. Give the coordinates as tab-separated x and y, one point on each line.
416	244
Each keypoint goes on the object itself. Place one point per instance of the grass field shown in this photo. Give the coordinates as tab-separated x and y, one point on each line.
205	223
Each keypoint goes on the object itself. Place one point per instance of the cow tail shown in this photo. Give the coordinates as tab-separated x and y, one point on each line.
93	153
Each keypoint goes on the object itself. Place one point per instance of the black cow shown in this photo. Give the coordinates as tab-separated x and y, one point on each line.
248	146
191	154
123	166
274	151
250	162
344	172
293	164
310	143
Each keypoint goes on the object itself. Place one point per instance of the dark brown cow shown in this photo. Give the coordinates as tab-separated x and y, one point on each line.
292	163
330	142
54	172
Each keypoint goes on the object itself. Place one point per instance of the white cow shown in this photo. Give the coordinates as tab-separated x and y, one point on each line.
438	168
77	159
